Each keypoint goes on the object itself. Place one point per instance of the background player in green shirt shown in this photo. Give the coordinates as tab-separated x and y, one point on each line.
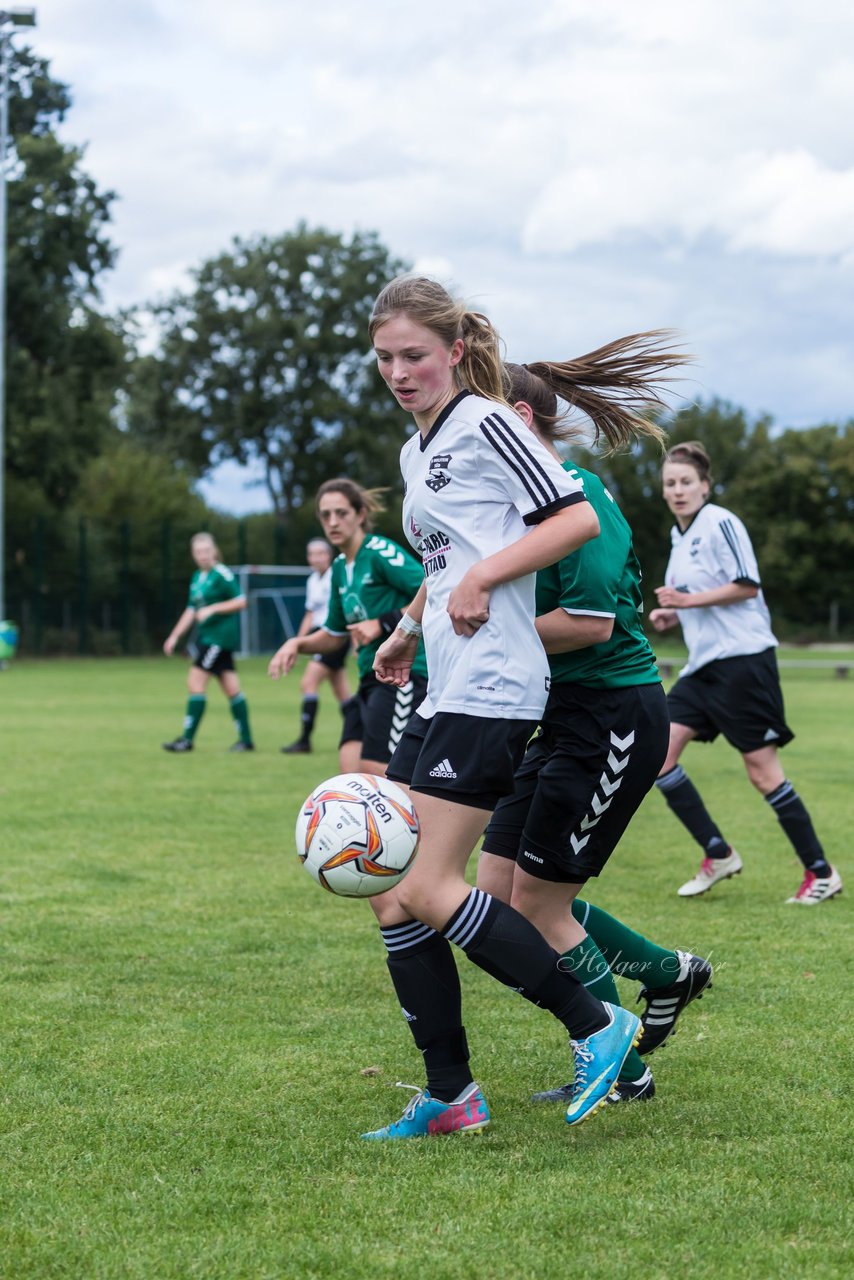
213	604
373	579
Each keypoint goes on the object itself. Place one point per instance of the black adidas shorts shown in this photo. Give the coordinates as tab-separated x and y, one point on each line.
378	713
212	658
738	697
596	756
468	759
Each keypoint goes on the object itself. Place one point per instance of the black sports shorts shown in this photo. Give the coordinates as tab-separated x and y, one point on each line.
211	658
583	777
378	714
738	697
468	759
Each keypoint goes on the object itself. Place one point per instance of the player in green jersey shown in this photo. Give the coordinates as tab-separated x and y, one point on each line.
373	579
594	758
213	604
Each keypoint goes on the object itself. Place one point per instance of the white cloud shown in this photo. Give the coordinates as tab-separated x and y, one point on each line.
782	204
790	203
587	166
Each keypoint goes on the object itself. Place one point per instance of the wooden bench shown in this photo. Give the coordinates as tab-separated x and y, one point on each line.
668	666
840	669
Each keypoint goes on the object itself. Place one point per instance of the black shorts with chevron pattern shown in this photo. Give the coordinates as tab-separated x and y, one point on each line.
584	775
378	715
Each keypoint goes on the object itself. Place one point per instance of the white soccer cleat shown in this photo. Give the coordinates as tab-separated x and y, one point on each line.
813	890
711	871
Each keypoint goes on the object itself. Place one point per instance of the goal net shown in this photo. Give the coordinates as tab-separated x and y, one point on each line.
275	605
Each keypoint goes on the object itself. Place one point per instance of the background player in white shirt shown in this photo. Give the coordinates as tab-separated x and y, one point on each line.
730	684
323	666
475	480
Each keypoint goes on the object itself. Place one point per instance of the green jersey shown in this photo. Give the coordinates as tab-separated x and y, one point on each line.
212	586
600	579
380	581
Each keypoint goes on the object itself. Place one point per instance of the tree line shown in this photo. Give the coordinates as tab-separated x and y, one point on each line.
112	419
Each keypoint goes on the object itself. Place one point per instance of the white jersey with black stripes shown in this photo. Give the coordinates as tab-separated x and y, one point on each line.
473	485
317	589
714	551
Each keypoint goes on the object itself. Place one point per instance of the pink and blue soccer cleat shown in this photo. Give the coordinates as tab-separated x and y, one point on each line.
425	1115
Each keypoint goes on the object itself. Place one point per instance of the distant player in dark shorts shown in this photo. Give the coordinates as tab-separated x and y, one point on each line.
730	684
214	601
372	579
322	666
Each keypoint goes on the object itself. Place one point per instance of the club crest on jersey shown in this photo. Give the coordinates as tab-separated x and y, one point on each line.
436	478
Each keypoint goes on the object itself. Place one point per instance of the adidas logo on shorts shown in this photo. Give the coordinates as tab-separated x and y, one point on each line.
443	770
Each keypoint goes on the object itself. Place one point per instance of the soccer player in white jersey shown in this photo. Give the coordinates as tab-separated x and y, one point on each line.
486	506
322	666
730	684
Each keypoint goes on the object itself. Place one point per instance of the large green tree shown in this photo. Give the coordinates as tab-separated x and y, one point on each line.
64	357
266	360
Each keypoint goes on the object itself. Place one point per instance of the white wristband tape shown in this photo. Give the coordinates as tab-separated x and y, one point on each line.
409	626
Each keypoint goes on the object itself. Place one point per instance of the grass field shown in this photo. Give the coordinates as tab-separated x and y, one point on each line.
187	1024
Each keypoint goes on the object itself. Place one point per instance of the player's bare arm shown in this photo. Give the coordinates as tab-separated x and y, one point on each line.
663	619
366	632
561	632
732	593
222	608
395	656
183	624
283	659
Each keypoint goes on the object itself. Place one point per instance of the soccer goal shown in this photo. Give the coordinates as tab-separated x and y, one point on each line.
275	605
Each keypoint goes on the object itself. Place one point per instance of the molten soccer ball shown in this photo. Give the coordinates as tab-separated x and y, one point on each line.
357	834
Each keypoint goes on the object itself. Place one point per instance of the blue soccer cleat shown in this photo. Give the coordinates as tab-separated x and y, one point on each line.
598	1060
425	1115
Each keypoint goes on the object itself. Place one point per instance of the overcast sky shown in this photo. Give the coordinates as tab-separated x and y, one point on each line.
579	169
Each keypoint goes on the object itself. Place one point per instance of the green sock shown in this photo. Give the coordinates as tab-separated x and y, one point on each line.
240	711
628	954
587	963
196	704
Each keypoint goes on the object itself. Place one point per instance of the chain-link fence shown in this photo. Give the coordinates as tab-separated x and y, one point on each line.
84	587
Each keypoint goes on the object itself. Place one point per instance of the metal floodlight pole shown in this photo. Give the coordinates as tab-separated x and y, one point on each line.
16	17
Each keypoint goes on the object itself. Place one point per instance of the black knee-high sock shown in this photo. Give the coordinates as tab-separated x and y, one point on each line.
796	822
424	973
501	941
308	714
685	801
